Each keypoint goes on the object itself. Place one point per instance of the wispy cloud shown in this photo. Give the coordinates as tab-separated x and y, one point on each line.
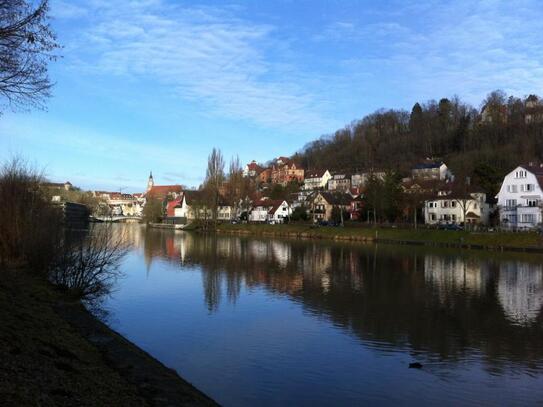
443	48
67	10
232	67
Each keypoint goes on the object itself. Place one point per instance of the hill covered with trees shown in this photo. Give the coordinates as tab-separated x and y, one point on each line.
483	144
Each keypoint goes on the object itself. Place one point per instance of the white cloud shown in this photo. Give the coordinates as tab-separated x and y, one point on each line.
206	56
444	48
67	10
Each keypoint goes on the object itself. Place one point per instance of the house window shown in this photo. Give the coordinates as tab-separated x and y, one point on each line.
530	187
432	216
453	204
527	218
511	203
531	202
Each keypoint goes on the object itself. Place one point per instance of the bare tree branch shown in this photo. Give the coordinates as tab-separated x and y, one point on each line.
27	45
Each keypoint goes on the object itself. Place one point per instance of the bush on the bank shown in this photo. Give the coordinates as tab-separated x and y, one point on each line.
299	214
88	264
153	211
30	225
32	234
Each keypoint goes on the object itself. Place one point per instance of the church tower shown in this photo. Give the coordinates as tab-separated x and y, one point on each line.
150	182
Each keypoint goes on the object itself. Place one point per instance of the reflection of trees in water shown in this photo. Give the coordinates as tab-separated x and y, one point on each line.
387	295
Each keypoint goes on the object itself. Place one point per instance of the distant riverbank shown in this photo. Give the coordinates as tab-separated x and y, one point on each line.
54	352
507	241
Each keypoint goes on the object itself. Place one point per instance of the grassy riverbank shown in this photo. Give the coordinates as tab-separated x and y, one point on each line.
481	240
54	352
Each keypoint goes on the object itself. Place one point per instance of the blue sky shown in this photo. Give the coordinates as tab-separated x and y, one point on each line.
155	84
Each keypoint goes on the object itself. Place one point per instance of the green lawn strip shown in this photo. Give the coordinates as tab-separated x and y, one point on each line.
487	239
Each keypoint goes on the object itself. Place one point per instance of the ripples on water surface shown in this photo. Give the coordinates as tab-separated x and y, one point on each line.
271	322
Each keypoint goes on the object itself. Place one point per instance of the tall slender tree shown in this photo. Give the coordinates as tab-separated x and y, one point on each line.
214	180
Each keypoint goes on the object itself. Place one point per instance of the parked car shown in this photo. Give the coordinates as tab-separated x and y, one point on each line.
450	226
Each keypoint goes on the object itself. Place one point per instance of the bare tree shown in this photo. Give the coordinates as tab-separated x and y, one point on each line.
88	266
27	45
235	183
214	179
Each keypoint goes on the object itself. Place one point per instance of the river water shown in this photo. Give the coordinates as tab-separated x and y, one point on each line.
253	321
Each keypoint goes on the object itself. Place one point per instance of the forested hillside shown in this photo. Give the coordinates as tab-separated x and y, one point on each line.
483	144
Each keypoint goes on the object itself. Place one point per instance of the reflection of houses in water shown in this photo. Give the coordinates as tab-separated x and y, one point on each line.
228	248
316	264
520	290
451	274
281	252
258	250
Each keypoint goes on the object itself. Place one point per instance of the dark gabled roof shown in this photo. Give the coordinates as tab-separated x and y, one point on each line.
337	198
276	204
194	196
428	165
315	174
341	175
534	168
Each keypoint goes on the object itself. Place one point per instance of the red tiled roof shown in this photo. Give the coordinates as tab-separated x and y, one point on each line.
161	191
253	166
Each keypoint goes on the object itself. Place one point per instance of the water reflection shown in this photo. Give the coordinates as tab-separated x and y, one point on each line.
442	304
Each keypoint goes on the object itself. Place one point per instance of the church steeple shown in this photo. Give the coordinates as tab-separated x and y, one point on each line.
150	182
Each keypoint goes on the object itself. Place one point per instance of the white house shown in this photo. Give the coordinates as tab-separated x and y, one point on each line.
521	197
431	170
316	179
340	182
270	210
225	212
259	211
360	180
279	211
449	207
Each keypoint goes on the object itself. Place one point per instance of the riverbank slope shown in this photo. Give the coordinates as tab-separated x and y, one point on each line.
54	352
525	241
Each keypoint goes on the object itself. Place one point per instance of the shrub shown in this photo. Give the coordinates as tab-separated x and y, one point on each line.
30	225
88	264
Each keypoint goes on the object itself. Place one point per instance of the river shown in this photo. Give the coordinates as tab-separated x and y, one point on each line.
254	321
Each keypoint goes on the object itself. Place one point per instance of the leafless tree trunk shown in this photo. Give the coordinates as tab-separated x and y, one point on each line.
214	179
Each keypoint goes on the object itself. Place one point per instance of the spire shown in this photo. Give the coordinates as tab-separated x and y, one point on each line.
150	182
